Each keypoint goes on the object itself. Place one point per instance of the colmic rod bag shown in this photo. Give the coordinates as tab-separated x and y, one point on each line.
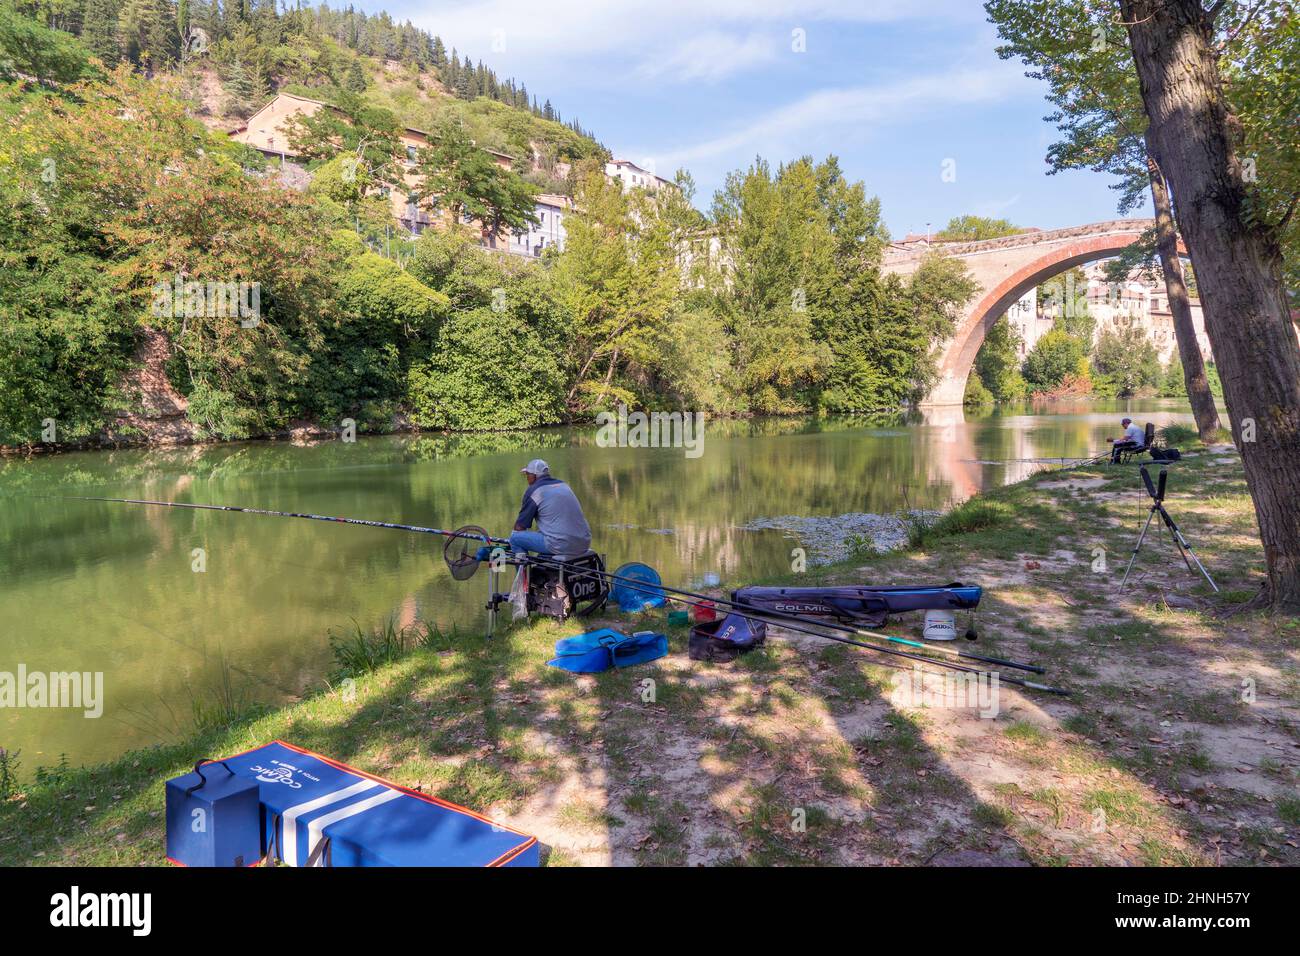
858	603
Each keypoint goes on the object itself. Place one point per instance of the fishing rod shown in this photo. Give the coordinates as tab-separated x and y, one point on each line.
1054	460
697	600
744	609
461	533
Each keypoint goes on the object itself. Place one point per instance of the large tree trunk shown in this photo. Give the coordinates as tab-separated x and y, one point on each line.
1238	268
1189	350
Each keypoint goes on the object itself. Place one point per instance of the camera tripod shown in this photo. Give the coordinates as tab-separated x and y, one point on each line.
1156	489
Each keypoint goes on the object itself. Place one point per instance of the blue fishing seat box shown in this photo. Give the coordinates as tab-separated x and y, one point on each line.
214	818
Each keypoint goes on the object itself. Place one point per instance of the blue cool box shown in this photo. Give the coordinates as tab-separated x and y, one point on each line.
317	812
214	818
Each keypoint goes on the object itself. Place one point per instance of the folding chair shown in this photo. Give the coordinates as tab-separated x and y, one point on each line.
1148	442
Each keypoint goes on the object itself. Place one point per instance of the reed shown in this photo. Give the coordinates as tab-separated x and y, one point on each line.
358	651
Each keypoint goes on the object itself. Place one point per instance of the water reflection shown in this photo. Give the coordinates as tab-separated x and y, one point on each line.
112	588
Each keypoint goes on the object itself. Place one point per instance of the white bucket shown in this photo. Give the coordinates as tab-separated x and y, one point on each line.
940	626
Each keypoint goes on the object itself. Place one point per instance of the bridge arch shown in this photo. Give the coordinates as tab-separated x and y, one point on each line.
1004	270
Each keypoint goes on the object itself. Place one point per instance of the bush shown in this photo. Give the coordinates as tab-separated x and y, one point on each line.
1055	358
1179	435
973	515
487	371
976	393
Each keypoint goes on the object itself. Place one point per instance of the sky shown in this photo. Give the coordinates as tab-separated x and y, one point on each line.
903	93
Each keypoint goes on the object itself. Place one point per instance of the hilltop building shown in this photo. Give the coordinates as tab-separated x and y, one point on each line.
266	131
631	176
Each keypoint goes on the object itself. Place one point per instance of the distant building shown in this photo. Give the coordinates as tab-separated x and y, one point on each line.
1027	322
1143	303
549	231
266	131
632	176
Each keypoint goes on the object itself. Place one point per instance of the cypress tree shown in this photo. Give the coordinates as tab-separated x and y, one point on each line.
99	29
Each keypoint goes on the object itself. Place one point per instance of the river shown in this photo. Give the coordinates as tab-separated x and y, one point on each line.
94	587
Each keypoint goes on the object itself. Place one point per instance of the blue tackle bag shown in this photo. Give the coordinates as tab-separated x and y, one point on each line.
600	650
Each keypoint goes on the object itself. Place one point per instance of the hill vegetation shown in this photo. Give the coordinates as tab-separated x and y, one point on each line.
132	232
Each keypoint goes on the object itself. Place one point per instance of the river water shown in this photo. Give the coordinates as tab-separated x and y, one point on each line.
111	588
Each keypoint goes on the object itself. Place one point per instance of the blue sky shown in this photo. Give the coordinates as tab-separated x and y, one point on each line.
894	89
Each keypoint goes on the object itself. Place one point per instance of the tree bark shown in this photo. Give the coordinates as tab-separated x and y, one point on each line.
1180	306
1238	268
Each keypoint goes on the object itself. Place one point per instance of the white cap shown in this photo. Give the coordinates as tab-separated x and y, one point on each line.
536	467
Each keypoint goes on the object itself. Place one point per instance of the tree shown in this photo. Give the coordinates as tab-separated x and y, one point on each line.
971	228
466	181
28	49
1075	46
147	33
774	236
354	80
1056	359
998	362
99	29
367	136
1125	362
617	279
1238	258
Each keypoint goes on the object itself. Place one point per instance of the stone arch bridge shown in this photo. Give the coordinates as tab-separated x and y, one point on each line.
1005	269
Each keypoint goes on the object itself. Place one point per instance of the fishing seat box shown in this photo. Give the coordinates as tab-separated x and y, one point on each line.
318	812
214	818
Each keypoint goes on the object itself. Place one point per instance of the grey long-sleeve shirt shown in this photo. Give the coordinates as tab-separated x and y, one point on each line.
559	517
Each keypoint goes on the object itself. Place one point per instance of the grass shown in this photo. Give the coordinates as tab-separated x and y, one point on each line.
360	651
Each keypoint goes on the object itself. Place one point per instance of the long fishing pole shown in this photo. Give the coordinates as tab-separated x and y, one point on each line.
844	628
686	597
286	514
697	599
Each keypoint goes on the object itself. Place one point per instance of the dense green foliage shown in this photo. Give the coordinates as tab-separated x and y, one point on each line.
998	363
1125	362
123	215
970	228
254	42
1057	359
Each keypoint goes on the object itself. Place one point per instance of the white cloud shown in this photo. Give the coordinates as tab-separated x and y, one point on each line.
996	208
566	37
709	56
782	131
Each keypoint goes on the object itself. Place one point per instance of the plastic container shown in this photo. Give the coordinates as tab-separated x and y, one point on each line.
940	625
704	611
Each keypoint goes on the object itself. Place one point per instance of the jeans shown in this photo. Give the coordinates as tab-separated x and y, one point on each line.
529	541
1118	449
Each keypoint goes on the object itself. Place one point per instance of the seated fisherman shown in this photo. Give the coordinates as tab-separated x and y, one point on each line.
562	529
1134	437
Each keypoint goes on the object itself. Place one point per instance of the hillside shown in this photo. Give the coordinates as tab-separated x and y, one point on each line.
232	56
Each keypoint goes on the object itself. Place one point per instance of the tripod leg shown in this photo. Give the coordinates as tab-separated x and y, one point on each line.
1137	547
1176	537
1184	543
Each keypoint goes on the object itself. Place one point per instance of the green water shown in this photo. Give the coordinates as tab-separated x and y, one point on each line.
110	588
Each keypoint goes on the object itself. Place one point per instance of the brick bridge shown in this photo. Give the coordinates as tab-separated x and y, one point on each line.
1005	269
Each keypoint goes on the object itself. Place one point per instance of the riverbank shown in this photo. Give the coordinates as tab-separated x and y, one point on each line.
1180	745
